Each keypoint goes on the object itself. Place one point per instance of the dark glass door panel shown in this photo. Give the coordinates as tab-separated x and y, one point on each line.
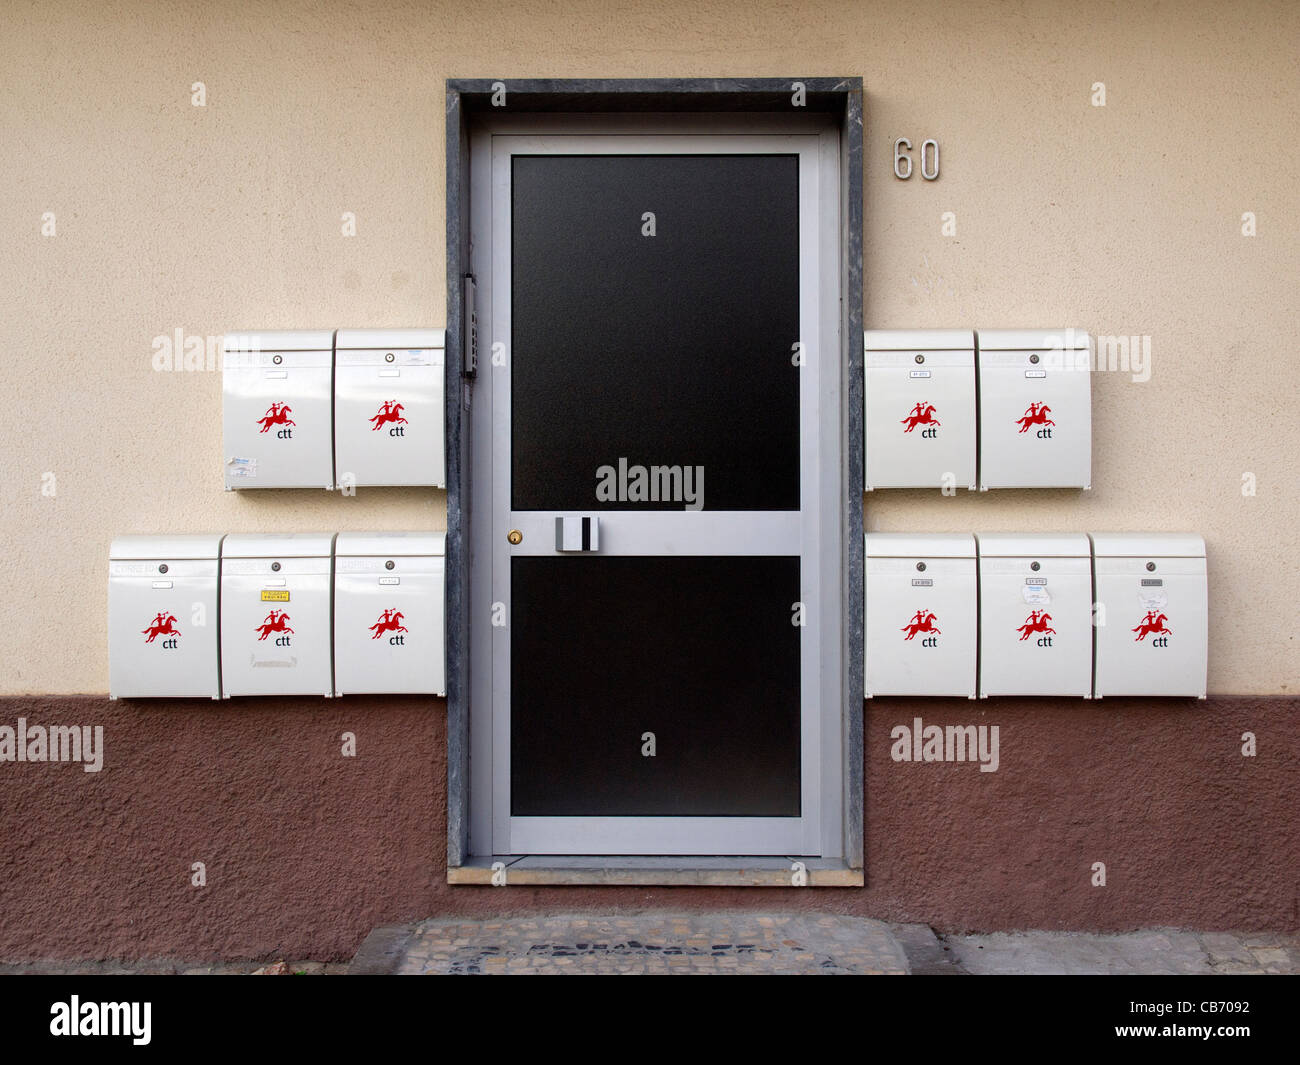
671	350
698	650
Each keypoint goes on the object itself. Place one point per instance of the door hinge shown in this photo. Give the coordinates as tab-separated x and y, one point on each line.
469	346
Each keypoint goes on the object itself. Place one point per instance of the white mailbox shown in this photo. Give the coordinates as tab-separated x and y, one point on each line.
922	614
275	614
1035	614
1152	614
277	409
388	407
1035	408
162	616
920	408
388	613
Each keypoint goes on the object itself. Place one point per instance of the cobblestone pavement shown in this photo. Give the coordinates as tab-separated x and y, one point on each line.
661	943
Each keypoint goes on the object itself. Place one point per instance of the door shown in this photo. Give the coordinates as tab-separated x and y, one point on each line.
656	668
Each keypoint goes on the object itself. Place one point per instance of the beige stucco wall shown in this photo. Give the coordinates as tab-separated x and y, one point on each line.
1123	219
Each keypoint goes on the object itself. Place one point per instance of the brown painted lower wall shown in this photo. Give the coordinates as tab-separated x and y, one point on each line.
306	850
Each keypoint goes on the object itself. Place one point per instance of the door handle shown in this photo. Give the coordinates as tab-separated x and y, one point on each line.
577	534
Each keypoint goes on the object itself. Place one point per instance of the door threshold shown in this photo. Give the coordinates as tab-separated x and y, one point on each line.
557	870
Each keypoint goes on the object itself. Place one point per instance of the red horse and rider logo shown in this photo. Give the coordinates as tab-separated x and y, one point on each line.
1153	624
1037	622
1037	414
922	414
389	621
162	625
276	414
922	621
391	411
276	621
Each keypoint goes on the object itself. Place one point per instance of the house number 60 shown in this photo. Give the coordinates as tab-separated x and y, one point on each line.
903	161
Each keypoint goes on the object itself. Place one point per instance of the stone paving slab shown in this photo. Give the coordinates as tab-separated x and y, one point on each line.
1155	952
167	967
815	944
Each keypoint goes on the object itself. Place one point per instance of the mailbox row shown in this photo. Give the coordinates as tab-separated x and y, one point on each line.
1036	614
316	409
1019	400
279	614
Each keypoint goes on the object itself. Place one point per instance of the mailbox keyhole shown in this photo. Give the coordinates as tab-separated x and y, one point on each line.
920	567
1035	566
162	568
388	357
920	359
1033	359
275	567
1151	567
388	564
277	359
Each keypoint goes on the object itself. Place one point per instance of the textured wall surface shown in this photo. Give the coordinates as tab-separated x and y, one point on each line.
306	850
1123	220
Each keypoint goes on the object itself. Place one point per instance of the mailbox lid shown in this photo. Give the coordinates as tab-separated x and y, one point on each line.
390	544
1033	545
165	546
1032	339
387	339
920	545
919	339
1148	545
279	340
277	545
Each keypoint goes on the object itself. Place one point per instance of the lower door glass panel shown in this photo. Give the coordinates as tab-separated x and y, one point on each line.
701	651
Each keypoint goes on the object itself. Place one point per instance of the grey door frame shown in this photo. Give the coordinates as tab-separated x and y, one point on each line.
468	98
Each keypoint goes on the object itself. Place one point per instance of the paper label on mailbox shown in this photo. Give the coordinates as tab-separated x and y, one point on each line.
242	467
1036	594
1153	598
275	595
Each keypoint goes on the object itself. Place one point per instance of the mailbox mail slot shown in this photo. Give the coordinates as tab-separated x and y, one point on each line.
921	614
1035	409
920	409
275	614
388	407
1035	614
162	616
1152	614
276	409
388	613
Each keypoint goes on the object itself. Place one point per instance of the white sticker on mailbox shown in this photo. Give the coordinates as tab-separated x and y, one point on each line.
1153	598
1036	594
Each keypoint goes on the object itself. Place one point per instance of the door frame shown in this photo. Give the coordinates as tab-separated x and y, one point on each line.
768	106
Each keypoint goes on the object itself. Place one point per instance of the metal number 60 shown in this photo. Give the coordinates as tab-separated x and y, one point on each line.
903	161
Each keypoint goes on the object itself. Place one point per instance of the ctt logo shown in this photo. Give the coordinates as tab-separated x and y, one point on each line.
277	414
389	621
922	414
922	622
1153	625
391	411
163	625
276	621
1037	622
1037	414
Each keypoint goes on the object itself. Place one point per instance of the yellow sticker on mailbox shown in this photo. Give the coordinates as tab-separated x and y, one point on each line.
270	596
